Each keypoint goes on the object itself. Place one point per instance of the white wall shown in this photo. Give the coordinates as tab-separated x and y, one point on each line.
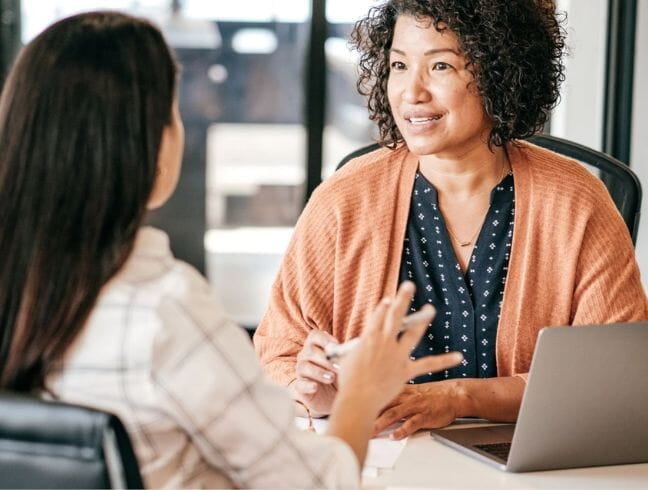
639	150
579	116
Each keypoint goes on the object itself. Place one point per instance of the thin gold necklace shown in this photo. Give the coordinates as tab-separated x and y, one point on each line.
464	244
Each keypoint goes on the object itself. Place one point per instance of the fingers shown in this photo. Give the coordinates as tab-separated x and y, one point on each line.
417	325
432	364
312	364
305	387
408	427
318	338
389	417
377	318
399	307
317	358
308	370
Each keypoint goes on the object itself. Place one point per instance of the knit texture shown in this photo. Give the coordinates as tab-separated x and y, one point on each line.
572	260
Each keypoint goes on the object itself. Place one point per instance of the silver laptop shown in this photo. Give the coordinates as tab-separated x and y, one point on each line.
585	404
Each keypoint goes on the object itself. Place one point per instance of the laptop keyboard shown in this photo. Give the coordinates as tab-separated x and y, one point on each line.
501	450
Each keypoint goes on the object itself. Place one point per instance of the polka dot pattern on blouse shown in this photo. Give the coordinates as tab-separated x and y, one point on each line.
468	305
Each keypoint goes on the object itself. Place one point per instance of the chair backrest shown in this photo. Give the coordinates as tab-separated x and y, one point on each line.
55	445
622	183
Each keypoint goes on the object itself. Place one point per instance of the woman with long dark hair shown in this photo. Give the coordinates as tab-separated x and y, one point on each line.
95	310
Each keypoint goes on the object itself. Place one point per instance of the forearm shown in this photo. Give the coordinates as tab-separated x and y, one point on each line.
277	355
352	420
496	399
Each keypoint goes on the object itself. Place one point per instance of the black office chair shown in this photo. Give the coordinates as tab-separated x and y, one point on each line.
54	445
622	183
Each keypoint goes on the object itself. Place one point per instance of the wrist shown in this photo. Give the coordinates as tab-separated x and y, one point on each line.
363	402
303	406
461	396
352	419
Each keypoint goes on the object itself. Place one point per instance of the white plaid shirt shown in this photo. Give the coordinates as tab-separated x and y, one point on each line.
157	352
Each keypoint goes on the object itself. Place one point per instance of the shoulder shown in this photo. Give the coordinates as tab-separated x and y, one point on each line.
190	321
558	196
152	271
159	286
358	186
557	177
185	302
354	192
363	173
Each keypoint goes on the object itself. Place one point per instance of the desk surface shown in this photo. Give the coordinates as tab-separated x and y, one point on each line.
426	463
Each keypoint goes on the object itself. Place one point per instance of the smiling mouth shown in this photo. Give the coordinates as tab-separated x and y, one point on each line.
423	120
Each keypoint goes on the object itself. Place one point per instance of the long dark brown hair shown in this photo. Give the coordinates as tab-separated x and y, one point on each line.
81	120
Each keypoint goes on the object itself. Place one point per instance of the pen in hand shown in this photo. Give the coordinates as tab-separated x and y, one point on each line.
334	351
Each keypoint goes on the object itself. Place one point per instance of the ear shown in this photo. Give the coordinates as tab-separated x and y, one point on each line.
169	161
160	193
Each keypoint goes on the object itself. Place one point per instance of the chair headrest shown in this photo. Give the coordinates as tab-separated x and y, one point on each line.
32	420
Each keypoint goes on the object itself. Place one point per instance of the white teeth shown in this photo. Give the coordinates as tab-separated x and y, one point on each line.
421	120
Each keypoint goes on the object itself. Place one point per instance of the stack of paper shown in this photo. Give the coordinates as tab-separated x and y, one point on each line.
382	452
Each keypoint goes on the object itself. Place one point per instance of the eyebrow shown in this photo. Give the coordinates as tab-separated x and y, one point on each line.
429	51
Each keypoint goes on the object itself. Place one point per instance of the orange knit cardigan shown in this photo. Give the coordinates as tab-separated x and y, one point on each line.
572	260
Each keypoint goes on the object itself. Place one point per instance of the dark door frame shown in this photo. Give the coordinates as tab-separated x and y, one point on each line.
315	96
619	80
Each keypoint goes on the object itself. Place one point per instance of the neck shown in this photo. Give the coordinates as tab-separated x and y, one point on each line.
465	175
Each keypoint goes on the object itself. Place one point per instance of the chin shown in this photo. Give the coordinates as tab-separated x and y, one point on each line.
421	148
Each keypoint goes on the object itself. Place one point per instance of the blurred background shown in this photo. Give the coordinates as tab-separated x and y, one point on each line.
270	107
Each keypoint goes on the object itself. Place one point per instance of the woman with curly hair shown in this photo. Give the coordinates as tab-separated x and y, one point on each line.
501	236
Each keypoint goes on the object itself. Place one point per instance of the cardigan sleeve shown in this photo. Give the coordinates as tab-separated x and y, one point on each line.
301	297
606	281
608	287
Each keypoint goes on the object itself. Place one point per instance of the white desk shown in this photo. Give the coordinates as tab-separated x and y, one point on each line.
426	463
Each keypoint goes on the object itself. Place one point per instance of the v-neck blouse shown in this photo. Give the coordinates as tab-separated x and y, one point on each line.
468	305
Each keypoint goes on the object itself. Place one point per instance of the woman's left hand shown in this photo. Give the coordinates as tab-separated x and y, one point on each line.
423	406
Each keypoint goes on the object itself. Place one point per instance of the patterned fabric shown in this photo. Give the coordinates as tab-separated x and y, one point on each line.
158	352
571	263
468	307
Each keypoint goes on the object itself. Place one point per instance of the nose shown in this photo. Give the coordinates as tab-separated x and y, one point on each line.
416	90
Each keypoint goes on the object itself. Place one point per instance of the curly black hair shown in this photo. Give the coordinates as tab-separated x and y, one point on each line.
513	48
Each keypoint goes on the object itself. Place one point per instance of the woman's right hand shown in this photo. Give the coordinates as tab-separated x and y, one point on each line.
315	384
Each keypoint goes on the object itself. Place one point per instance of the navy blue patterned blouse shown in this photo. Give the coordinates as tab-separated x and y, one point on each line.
468	306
